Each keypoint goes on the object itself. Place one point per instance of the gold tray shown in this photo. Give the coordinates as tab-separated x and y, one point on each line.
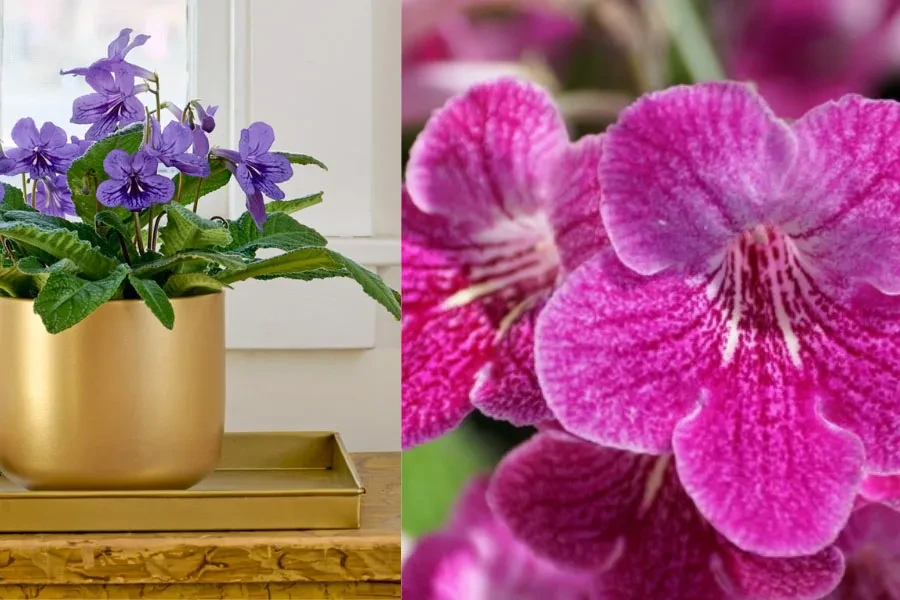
263	481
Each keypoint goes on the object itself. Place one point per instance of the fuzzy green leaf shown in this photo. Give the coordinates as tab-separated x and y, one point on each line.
291	206
61	243
297	261
170	262
17	284
13	198
279	231
66	299
185	230
91	164
303	159
371	283
118	235
192	284
155	298
219	175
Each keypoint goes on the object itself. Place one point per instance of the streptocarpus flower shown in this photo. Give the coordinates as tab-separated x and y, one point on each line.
627	518
256	169
39	153
476	558
199	131
801	53
133	182
115	61
114	104
500	205
751	333
871	544
170	148
53	197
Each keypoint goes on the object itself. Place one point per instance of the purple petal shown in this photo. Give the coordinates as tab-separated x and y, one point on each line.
104	126
132	111
125	83
190	164
871	543
118	46
207	120
52	136
269	188
102	82
118	164
157	190
747	575
143	164
112	193
139	40
257	207
176	138
61	157
200	142
19	160
687	169
92	108
55	200
443	566
844	214
242	174
83	71
274	167
25	134
256	140
483	154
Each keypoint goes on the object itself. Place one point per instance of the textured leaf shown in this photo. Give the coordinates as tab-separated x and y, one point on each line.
185	230
279	231
170	262
16	283
297	261
291	206
66	299
13	198
371	283
192	284
61	243
128	139
110	227
155	298
219	175
303	159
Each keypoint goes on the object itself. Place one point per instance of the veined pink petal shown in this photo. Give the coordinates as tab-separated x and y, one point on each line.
687	169
628	517
844	208
483	154
871	544
882	488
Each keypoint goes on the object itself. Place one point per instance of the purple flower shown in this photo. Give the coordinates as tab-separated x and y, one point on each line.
170	147
198	132
257	170
500	206
83	145
53	197
627	519
114	105
133	182
206	116
39	153
754	329
871	544
476	558
803	53
115	61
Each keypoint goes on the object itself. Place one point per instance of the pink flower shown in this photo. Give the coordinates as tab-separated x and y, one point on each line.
752	330
446	49
804	52
627	518
476	558
499	205
871	543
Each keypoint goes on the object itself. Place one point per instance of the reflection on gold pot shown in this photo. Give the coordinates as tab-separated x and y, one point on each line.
116	402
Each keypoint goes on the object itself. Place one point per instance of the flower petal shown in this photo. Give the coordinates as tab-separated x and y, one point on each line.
200	142
269	188
256	140
131	111
52	136
443	566
175	139
256	204
112	193
25	134
882	488
91	108
19	161
274	166
190	164
116	48
244	179
686	169
143	164
118	164
844	213
102	82
871	543
157	189
484	153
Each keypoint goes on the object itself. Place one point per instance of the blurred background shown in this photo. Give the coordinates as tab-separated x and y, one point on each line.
596	56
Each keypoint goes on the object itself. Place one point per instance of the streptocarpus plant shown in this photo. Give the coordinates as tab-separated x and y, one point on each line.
139	234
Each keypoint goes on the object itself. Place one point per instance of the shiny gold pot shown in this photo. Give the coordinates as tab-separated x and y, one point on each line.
116	402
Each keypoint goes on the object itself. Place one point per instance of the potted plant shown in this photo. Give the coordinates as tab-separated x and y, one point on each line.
113	324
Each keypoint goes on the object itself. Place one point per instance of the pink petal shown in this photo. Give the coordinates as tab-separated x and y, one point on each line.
482	155
807	577
620	356
686	169
507	388
575	203
871	544
844	214
882	488
442	567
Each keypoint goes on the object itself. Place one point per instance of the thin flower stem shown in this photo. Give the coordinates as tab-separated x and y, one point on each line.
150	246
24	188
34	193
197	196
156	228
122	243
158	104
6	249
180	184
137	232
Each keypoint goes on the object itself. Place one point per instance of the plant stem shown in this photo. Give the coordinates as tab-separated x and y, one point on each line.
180	185
197	197
150	246
158	105
156	228
6	250
24	189
137	232
124	246
34	193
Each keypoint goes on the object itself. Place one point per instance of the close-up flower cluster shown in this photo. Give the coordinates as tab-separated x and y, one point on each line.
670	338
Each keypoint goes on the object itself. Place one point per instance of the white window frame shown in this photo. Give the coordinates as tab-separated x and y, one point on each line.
290	314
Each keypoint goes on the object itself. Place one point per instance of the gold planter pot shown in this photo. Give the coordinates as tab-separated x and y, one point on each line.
116	402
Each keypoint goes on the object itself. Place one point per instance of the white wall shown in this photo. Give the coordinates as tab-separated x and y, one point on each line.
326	75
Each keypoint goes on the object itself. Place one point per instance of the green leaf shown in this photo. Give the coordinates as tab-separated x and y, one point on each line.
185	230
690	40
219	175
66	299
303	159
304	259
192	284
13	198
16	283
279	231
155	298
110	227
291	206
169	262
371	283
61	243
91	164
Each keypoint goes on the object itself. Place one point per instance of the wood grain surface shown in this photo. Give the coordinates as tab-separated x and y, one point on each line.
359	563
